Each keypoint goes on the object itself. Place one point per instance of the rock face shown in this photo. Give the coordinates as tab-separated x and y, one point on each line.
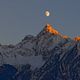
47	56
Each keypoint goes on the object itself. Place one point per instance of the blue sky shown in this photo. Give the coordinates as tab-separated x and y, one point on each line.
19	18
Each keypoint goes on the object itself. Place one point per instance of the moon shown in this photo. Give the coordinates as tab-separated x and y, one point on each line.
47	13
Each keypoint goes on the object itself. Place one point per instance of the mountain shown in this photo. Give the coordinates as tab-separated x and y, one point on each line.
49	55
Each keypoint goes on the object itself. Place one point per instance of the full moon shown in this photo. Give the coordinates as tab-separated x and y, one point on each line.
47	13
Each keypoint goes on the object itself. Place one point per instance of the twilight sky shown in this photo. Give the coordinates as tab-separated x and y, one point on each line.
22	17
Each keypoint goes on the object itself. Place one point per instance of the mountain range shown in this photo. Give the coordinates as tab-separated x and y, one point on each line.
49	55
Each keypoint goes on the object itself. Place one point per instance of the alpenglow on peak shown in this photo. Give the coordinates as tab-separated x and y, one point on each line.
77	38
50	29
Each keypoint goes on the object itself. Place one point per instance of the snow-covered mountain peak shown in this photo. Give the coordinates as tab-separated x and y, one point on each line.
48	31
49	28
